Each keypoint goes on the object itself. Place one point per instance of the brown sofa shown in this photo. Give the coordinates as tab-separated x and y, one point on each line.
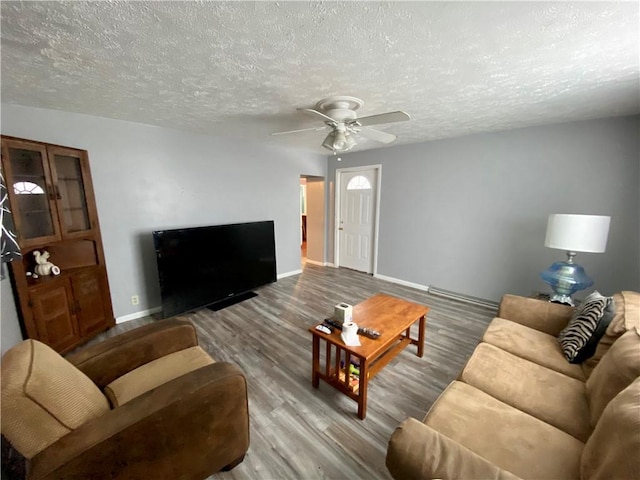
520	410
149	403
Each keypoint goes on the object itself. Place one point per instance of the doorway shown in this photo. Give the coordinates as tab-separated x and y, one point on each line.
357	215
312	220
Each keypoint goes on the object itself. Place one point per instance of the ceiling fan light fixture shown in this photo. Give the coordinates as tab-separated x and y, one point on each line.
350	142
340	141
328	142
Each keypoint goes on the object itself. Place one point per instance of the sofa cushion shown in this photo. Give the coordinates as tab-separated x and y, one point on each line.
44	397
547	317
613	451
530	344
627	316
618	368
539	391
155	373
509	438
587	325
420	452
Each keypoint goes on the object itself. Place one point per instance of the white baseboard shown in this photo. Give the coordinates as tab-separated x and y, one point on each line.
417	286
151	311
320	264
143	313
289	274
463	298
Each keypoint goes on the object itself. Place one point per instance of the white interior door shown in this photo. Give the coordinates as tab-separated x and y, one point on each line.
356	219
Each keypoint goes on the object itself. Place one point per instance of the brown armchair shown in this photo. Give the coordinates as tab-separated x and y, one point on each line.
149	403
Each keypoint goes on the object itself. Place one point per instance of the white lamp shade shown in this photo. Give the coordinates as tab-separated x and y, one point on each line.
578	233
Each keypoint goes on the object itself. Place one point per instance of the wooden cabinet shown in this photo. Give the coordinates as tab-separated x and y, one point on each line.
52	200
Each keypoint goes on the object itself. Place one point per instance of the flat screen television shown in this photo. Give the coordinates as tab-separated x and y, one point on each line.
204	266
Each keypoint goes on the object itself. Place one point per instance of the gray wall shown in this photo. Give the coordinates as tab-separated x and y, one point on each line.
469	214
148	178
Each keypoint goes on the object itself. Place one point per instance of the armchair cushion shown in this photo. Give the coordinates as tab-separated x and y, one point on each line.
44	397
188	428
155	373
118	355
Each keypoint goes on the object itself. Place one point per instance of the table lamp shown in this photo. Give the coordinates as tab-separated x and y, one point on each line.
573	233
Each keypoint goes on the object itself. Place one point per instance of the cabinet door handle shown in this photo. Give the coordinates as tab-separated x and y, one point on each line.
51	191
58	196
75	307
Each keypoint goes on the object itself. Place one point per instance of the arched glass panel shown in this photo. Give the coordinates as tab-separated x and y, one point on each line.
27	188
358	183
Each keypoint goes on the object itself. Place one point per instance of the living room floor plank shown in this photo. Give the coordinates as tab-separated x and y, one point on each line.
297	431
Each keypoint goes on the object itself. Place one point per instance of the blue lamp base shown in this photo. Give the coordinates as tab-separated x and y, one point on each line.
565	279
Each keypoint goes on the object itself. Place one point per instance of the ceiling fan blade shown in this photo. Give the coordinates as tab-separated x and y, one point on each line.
389	117
325	118
315	129
377	135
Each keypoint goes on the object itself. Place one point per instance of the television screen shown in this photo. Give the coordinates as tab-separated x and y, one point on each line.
201	266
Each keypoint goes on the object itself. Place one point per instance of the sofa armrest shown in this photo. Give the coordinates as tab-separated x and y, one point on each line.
189	427
416	451
544	316
112	358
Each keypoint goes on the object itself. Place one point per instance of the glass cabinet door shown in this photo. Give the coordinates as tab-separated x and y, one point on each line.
68	169
30	191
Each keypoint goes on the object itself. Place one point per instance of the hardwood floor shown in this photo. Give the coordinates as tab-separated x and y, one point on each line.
299	432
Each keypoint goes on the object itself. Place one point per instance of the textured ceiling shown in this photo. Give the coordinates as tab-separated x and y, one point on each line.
242	68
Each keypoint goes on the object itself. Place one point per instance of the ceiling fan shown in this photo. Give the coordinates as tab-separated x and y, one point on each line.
339	114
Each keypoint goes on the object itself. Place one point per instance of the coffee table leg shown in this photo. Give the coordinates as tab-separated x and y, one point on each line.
362	391
421	336
315	368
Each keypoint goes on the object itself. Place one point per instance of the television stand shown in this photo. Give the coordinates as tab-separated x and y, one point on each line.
227	302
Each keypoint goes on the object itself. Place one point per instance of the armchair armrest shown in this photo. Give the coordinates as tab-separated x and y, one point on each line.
544	316
112	358
189	427
416	451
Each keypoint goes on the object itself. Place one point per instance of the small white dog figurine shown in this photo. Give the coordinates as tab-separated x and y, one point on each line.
44	266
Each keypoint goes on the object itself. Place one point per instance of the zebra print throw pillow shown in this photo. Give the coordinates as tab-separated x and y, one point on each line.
580	337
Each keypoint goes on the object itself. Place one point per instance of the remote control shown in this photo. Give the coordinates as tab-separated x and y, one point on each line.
324	329
333	323
367	332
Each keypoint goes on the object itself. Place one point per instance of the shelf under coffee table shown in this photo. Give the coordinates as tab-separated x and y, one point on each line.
393	318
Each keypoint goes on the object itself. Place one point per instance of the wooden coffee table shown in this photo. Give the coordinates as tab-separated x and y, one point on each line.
393	318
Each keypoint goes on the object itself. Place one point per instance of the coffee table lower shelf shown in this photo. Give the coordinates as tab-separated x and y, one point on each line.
393	318
338	357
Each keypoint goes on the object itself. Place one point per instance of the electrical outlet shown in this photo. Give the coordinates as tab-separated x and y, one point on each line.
135	300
